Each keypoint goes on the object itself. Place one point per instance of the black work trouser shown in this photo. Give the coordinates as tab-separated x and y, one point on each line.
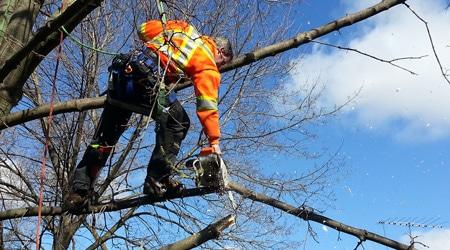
171	128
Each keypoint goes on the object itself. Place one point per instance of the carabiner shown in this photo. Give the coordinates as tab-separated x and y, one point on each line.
128	69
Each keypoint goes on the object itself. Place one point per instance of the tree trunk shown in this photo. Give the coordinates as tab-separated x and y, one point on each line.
64	234
16	29
47	37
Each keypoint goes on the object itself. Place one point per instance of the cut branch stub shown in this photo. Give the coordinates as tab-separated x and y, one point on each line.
212	231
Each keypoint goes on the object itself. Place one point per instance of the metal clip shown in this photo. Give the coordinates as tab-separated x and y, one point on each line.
128	69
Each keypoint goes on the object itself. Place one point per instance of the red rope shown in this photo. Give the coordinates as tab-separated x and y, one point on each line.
47	139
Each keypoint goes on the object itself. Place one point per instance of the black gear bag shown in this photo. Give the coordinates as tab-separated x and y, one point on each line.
132	83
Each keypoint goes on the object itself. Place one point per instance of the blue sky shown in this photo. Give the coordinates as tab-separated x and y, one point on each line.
395	134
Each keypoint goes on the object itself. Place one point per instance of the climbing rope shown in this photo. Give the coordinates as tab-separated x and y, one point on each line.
162	91
162	13
81	44
47	138
162	86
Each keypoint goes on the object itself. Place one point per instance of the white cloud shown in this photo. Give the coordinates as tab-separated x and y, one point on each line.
411	107
435	240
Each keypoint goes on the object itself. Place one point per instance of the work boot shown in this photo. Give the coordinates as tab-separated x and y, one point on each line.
172	186
76	200
159	189
153	188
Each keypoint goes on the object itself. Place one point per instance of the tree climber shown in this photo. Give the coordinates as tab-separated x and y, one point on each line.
178	50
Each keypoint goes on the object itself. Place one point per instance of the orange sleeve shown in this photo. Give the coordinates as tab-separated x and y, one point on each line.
205	75
206	85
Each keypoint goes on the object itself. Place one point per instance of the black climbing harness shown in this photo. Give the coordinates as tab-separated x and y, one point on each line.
132	83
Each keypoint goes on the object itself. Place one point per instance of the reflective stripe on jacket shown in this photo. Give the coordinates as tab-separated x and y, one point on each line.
181	48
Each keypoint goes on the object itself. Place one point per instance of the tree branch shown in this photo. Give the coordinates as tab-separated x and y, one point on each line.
94	234
79	105
246	59
309	215
306	37
302	212
212	231
106	207
431	43
391	62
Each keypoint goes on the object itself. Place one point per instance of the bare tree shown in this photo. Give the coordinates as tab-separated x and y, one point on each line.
119	216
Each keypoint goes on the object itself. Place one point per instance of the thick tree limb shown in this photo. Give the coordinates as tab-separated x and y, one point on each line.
73	14
309	215
306	37
301	212
30	114
13	76
212	231
107	207
17	27
272	50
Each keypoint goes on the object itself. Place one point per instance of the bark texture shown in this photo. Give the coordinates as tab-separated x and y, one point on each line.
18	17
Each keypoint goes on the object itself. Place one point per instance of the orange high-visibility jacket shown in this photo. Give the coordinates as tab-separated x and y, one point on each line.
183	50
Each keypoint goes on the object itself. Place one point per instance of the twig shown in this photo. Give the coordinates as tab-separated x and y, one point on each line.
391	62
360	243
431	42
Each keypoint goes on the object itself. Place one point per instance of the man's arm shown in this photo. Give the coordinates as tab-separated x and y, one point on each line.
206	85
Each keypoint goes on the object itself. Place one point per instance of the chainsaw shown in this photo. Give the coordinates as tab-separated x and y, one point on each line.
211	171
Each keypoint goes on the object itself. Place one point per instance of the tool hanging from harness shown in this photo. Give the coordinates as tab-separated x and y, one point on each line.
132	83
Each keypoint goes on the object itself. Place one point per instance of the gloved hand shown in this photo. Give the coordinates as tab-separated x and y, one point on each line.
212	149
216	149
